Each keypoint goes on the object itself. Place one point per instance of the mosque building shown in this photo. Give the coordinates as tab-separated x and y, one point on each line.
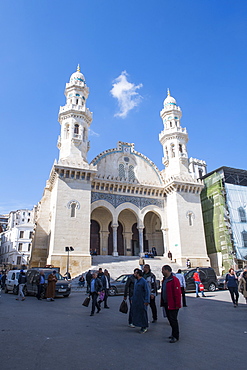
120	204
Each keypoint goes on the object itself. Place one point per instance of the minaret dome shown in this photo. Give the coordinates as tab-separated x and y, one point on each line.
77	76
169	100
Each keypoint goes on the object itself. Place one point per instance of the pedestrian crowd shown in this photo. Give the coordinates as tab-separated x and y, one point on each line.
98	285
236	285
141	291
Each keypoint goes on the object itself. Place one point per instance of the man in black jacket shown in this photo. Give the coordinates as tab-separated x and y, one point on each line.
151	280
22	281
106	286
95	289
129	291
88	280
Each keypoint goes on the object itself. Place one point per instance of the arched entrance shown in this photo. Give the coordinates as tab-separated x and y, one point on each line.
153	236
94	237
102	217
120	241
135	241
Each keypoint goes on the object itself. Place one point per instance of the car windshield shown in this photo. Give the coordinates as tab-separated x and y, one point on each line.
58	275
184	272
120	278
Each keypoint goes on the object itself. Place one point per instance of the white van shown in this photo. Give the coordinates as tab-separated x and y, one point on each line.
11	283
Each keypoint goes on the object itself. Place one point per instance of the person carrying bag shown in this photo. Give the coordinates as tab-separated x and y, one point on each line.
86	301
123	307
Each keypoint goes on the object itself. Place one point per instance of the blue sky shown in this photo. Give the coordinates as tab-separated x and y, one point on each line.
196	48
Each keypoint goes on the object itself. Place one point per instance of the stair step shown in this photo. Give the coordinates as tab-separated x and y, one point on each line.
125	265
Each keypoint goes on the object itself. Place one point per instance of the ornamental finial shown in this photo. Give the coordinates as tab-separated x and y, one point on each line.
78	68
168	92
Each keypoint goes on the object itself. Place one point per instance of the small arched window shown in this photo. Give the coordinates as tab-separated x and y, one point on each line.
173	150
67	131
170	124
121	171
76	101
180	148
73	207
131	173
76	129
244	238
242	214
200	172
190	215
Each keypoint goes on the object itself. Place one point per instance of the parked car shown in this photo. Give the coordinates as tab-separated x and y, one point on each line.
63	287
207	275
11	282
118	285
222	280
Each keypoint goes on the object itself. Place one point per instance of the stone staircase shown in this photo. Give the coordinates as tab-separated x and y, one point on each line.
125	265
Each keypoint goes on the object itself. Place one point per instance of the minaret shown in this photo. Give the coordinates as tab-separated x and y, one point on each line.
173	139
63	217
185	232
75	120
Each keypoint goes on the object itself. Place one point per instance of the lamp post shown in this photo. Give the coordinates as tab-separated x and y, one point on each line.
68	249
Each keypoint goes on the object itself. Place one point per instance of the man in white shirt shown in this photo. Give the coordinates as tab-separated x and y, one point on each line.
181	279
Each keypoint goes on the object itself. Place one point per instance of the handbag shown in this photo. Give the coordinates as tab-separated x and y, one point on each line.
123	307
201	287
102	296
86	302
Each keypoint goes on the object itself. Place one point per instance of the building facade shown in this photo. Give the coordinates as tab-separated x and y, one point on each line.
120	203
16	241
224	206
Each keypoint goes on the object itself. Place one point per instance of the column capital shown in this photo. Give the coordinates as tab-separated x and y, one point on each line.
140	227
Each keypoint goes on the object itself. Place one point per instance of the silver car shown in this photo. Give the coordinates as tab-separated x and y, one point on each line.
118	285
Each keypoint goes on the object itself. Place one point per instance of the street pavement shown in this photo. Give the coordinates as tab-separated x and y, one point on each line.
61	335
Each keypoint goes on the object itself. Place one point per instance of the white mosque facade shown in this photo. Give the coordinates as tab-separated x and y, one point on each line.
120	204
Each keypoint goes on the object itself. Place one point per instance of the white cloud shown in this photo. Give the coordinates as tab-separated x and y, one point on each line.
93	133
125	93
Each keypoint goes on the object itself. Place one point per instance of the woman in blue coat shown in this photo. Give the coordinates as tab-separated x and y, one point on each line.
232	285
140	301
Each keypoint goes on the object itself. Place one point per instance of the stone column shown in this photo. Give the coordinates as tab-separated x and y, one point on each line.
104	241
128	238
140	229
164	242
114	230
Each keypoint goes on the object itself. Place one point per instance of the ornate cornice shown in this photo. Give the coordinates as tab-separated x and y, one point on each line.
116	200
184	184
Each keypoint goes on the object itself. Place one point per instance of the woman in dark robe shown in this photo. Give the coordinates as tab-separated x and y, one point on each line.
51	287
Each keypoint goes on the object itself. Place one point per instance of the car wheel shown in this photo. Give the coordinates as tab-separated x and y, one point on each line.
15	290
212	287
66	295
6	290
112	291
